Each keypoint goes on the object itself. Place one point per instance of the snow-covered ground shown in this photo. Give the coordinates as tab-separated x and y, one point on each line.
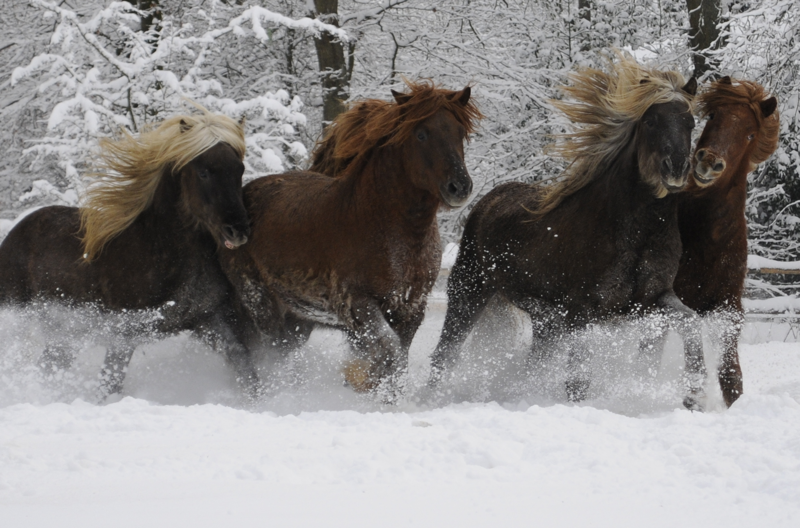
179	449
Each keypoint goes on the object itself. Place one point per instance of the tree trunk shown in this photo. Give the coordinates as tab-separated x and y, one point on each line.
335	69
585	13
703	33
154	15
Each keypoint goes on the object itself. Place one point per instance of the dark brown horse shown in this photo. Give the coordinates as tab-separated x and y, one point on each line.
357	247
742	131
147	237
600	243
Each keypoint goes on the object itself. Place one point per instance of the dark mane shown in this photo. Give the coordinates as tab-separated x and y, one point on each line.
746	93
372	123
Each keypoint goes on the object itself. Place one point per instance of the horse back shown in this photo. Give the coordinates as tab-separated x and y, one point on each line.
144	267
35	254
590	251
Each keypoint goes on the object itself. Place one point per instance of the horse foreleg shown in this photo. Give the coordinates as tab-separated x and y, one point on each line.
383	362
688	326
546	328
406	328
227	334
56	358
579	375
651	348
115	367
729	371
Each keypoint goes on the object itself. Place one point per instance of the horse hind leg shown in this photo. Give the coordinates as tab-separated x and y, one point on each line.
467	297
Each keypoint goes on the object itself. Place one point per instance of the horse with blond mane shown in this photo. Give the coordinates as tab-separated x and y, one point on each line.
358	247
741	132
603	240
159	209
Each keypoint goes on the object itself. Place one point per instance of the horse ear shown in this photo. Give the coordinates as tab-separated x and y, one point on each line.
242	121
185	127
768	106
401	98
725	80
691	87
463	96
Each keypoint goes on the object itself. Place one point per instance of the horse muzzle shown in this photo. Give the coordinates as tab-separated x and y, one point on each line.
708	168
233	236
456	191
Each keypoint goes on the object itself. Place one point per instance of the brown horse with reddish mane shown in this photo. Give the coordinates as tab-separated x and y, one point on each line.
356	245
742	131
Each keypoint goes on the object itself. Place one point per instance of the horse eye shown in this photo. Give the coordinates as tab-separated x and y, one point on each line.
711	116
203	174
422	136
750	137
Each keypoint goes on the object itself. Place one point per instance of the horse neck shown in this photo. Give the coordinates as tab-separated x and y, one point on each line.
625	192
383	190
718	208
166	212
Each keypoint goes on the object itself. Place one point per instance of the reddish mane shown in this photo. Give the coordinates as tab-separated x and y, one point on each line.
745	93
373	123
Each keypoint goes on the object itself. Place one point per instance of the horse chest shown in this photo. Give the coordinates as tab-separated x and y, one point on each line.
191	292
646	259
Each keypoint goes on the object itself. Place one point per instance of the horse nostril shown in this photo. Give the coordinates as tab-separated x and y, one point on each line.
453	188
666	166
229	231
701	154
719	166
685	168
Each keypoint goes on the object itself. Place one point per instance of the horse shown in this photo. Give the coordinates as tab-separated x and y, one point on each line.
158	210
354	242
602	241
741	132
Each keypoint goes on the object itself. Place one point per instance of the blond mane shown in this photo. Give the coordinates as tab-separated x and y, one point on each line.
128	170
372	122
751	94
606	107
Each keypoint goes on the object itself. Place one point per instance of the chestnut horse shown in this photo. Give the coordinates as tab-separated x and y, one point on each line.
741	132
356	245
146	238
601	242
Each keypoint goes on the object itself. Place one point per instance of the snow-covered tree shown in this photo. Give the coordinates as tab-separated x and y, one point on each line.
103	69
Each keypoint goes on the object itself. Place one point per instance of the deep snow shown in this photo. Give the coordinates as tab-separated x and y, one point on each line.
179	450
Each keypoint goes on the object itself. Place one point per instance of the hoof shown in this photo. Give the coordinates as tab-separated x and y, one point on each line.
357	376
577	390
692	403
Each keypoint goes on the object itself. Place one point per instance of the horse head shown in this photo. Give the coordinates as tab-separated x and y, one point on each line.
741	127
663	143
433	153
211	189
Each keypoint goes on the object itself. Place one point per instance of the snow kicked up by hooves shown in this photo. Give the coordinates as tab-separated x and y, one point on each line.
179	449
